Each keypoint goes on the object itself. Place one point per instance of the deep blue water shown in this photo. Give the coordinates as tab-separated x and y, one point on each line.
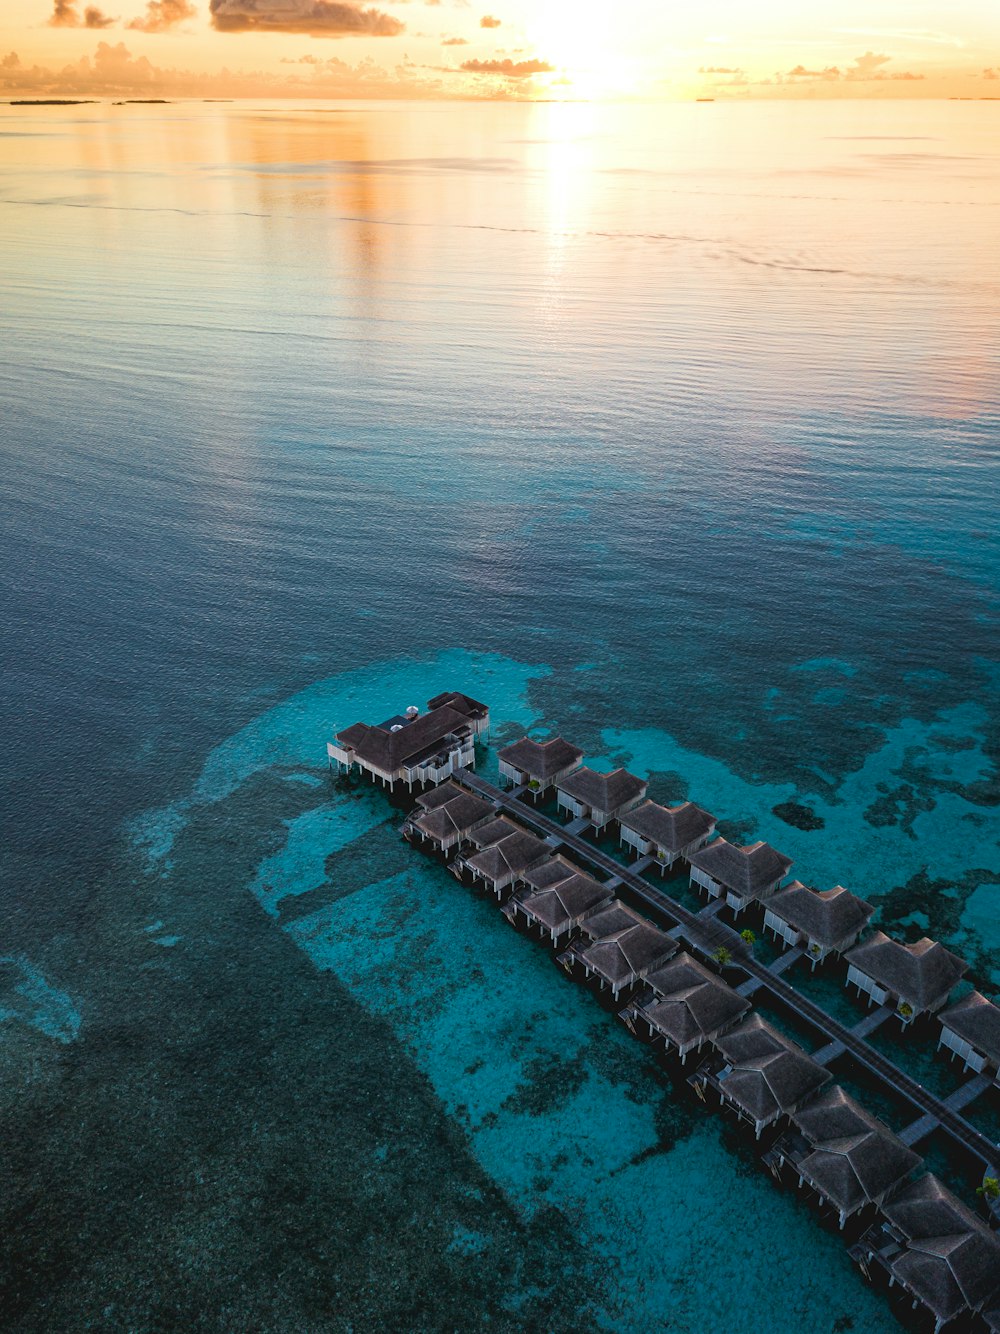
675	434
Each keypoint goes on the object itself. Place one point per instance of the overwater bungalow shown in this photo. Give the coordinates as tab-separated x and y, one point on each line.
414	747
760	1074
599	798
618	947
501	862
492	831
685	1005
937	1250
843	1153
437	796
971	1030
538	765
823	922
917	978
447	825
555	897
477	713
741	874
667	833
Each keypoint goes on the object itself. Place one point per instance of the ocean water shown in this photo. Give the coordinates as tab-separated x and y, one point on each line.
673	429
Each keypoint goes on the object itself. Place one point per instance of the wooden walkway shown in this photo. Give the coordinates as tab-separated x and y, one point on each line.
706	934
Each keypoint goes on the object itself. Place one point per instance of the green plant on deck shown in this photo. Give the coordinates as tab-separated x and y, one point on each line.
534	785
990	1189
906	1009
722	956
747	936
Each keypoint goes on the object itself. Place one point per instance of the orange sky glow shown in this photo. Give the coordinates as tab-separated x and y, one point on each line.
548	49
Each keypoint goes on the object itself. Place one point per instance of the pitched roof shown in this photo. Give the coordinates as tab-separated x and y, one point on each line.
472	708
629	952
746	870
952	1259
493	832
454	817
541	759
854	1159
826	916
672	827
770	1073
511	854
561	904
606	921
691	1003
437	796
550	873
389	751
977	1020
605	792
921	973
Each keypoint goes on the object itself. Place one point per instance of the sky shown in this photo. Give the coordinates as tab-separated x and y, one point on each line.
536	49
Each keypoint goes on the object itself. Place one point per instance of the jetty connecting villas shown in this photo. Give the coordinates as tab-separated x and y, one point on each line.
673	976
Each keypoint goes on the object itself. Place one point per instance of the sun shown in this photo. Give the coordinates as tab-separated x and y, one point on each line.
582	40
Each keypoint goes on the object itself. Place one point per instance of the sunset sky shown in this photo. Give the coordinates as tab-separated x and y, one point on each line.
512	48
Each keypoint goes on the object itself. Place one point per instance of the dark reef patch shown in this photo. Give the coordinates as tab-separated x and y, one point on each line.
234	1143
798	816
898	806
551	1081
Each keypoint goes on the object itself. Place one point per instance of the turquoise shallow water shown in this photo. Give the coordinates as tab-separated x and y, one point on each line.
310	415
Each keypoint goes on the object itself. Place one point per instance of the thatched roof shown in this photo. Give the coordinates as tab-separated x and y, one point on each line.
388	751
559	905
826	916
465	704
952	1259
854	1158
922	973
512	854
690	1002
454	817
604	792
745	870
541	759
494	831
770	1073
628	952
671	827
437	796
550	873
977	1020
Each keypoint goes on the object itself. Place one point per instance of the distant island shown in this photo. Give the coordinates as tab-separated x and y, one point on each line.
53	102
143	102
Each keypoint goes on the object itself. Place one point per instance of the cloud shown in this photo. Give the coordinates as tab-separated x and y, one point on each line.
488	21
800	72
866	69
113	71
718	69
454	41
315	18
162	15
991	73
510	69
66	15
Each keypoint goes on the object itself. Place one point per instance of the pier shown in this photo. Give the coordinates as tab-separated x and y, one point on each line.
646	952
706	934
